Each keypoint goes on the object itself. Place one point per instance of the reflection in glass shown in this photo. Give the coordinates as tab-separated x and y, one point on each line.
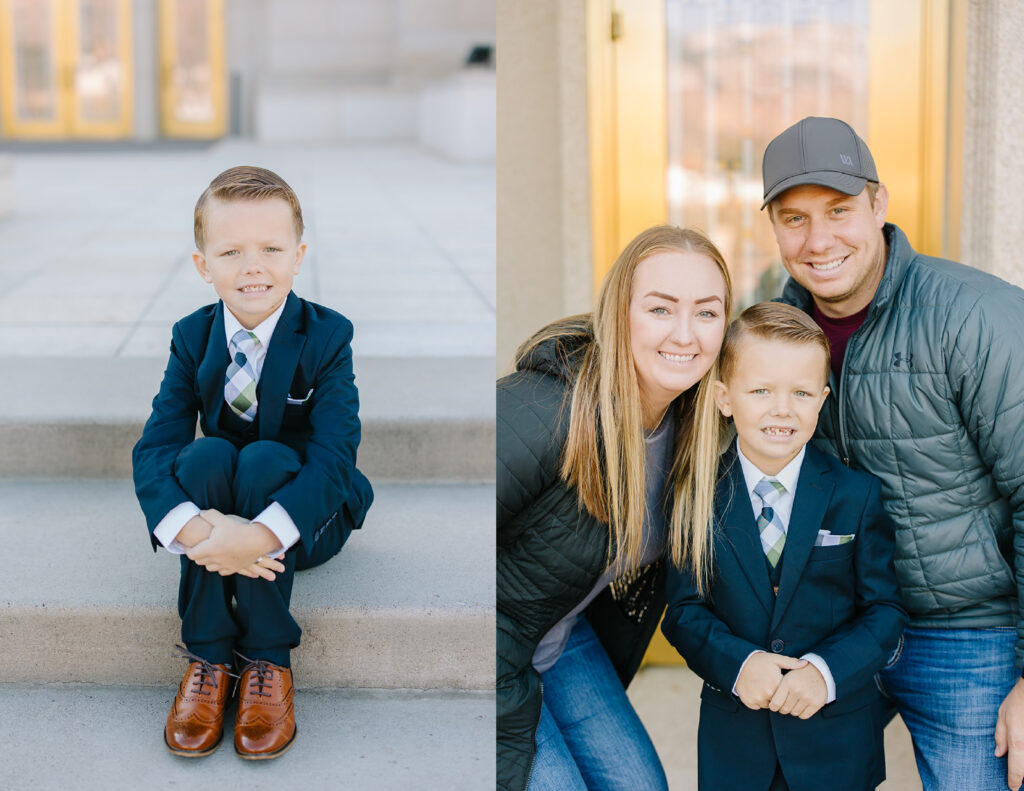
99	76
35	69
191	73
739	72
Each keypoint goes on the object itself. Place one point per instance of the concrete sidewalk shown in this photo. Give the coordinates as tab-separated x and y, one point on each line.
96	255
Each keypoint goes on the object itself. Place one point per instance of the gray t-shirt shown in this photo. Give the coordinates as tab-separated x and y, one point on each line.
655	538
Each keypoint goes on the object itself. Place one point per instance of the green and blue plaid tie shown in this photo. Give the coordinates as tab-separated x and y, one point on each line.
773	534
240	377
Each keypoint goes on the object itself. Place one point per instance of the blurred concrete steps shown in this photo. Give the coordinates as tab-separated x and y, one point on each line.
109	739
424	419
409	602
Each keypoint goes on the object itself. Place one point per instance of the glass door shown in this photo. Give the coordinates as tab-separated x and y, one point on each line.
65	68
192	90
102	96
33	70
734	73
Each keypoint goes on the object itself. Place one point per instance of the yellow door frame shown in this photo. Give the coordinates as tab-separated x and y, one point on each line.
13	126
628	123
171	124
915	110
68	122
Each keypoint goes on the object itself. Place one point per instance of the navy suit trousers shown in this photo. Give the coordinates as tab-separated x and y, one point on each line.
223	613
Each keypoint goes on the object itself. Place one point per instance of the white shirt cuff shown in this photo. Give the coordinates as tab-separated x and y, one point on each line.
734	683
167	531
281	525
826	674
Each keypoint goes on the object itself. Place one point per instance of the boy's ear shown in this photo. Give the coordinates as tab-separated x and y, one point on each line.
200	263
824	395
300	255
721	394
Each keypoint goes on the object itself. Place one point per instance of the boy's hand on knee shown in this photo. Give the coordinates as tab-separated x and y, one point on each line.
195	530
802	693
761	676
236	546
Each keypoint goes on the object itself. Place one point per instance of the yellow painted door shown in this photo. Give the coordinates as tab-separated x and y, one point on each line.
193	90
66	69
685	94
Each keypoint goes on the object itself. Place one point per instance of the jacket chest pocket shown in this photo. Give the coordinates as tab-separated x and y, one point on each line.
297	407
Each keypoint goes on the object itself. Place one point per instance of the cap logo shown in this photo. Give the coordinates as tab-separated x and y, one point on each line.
846	160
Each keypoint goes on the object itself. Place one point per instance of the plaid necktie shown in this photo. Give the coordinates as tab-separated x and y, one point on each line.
773	535
240	377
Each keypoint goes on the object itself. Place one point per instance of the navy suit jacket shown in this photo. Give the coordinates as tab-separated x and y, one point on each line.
841	602
307	400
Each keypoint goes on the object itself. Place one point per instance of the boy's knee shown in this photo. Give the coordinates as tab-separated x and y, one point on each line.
206	456
266	456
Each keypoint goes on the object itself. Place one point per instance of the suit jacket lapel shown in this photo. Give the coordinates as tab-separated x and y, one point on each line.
813	493
741	536
279	368
210	375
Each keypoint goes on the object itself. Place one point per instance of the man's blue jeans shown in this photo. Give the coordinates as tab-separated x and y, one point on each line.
589	736
948	685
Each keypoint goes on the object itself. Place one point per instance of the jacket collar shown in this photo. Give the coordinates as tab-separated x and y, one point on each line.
739	526
896	267
278	369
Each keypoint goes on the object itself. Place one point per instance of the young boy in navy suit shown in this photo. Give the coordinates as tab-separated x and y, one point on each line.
803	607
272	485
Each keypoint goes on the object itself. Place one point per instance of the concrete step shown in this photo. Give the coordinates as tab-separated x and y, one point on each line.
409	602
423	419
111	739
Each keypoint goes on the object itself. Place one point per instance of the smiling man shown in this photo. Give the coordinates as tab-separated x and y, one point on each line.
928	394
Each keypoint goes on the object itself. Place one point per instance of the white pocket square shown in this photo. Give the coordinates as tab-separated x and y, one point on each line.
292	400
826	538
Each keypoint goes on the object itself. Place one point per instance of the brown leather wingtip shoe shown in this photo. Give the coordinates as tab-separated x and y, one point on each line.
265	723
195	723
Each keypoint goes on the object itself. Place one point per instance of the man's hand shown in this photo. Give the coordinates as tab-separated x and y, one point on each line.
195	530
236	546
802	692
761	675
1010	735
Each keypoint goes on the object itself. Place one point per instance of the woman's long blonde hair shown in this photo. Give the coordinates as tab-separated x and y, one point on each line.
604	455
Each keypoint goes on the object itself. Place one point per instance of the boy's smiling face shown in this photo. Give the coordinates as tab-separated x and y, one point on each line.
251	255
774	394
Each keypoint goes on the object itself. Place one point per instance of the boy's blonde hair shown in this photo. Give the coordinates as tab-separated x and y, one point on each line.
246	182
604	455
773	321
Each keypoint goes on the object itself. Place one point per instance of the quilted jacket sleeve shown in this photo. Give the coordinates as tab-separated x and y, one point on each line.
987	377
530	433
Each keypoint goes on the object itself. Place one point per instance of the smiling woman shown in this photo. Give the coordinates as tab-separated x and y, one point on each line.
608	441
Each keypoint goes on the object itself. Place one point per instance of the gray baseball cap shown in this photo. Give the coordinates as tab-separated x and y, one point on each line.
823	151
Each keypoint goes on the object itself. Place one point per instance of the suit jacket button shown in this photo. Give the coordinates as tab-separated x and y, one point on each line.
777	646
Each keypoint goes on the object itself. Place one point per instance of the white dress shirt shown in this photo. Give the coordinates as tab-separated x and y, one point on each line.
788	476
273	516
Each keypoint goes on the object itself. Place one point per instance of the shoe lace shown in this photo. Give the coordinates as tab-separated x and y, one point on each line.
263	673
205	673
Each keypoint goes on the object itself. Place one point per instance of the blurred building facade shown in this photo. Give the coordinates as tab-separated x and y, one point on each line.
619	114
346	71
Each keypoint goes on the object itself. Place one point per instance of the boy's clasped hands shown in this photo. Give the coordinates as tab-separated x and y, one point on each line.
761	684
229	544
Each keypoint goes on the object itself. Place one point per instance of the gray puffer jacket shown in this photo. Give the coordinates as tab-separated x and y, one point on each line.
931	400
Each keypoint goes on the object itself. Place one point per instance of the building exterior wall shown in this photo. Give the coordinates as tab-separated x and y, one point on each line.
992	235
543	188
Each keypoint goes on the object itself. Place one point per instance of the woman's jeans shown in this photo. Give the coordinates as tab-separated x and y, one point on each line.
948	685
589	737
